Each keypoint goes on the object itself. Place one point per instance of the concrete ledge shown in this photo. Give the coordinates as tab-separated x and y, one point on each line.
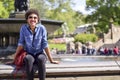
67	70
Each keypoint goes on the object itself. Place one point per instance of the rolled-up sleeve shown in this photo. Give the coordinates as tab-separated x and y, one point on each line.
44	38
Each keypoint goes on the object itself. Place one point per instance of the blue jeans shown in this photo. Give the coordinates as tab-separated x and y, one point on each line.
38	60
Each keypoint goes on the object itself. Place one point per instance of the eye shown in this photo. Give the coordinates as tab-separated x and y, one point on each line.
30	17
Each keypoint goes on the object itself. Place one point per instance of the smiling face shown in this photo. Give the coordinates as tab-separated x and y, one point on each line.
32	20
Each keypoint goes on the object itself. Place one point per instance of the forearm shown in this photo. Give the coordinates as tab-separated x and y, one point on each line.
47	50
19	48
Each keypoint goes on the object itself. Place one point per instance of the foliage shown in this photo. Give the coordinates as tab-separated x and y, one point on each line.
40	6
58	46
3	12
6	7
61	10
85	38
104	11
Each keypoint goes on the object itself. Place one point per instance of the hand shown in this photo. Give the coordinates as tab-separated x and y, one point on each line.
55	62
9	63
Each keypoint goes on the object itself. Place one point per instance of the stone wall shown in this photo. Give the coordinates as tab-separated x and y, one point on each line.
109	38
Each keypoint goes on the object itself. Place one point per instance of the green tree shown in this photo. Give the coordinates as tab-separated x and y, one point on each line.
40	5
104	11
62	10
6	7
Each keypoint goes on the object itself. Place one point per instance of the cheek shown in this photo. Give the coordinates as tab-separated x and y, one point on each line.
36	20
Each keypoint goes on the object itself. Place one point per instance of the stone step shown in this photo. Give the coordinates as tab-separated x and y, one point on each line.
62	69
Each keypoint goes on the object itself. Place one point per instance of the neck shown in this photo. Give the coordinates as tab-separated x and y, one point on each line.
32	29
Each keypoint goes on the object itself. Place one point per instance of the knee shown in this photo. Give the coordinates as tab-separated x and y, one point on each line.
29	58
42	58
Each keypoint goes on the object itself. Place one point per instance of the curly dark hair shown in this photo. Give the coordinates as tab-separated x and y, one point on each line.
32	11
